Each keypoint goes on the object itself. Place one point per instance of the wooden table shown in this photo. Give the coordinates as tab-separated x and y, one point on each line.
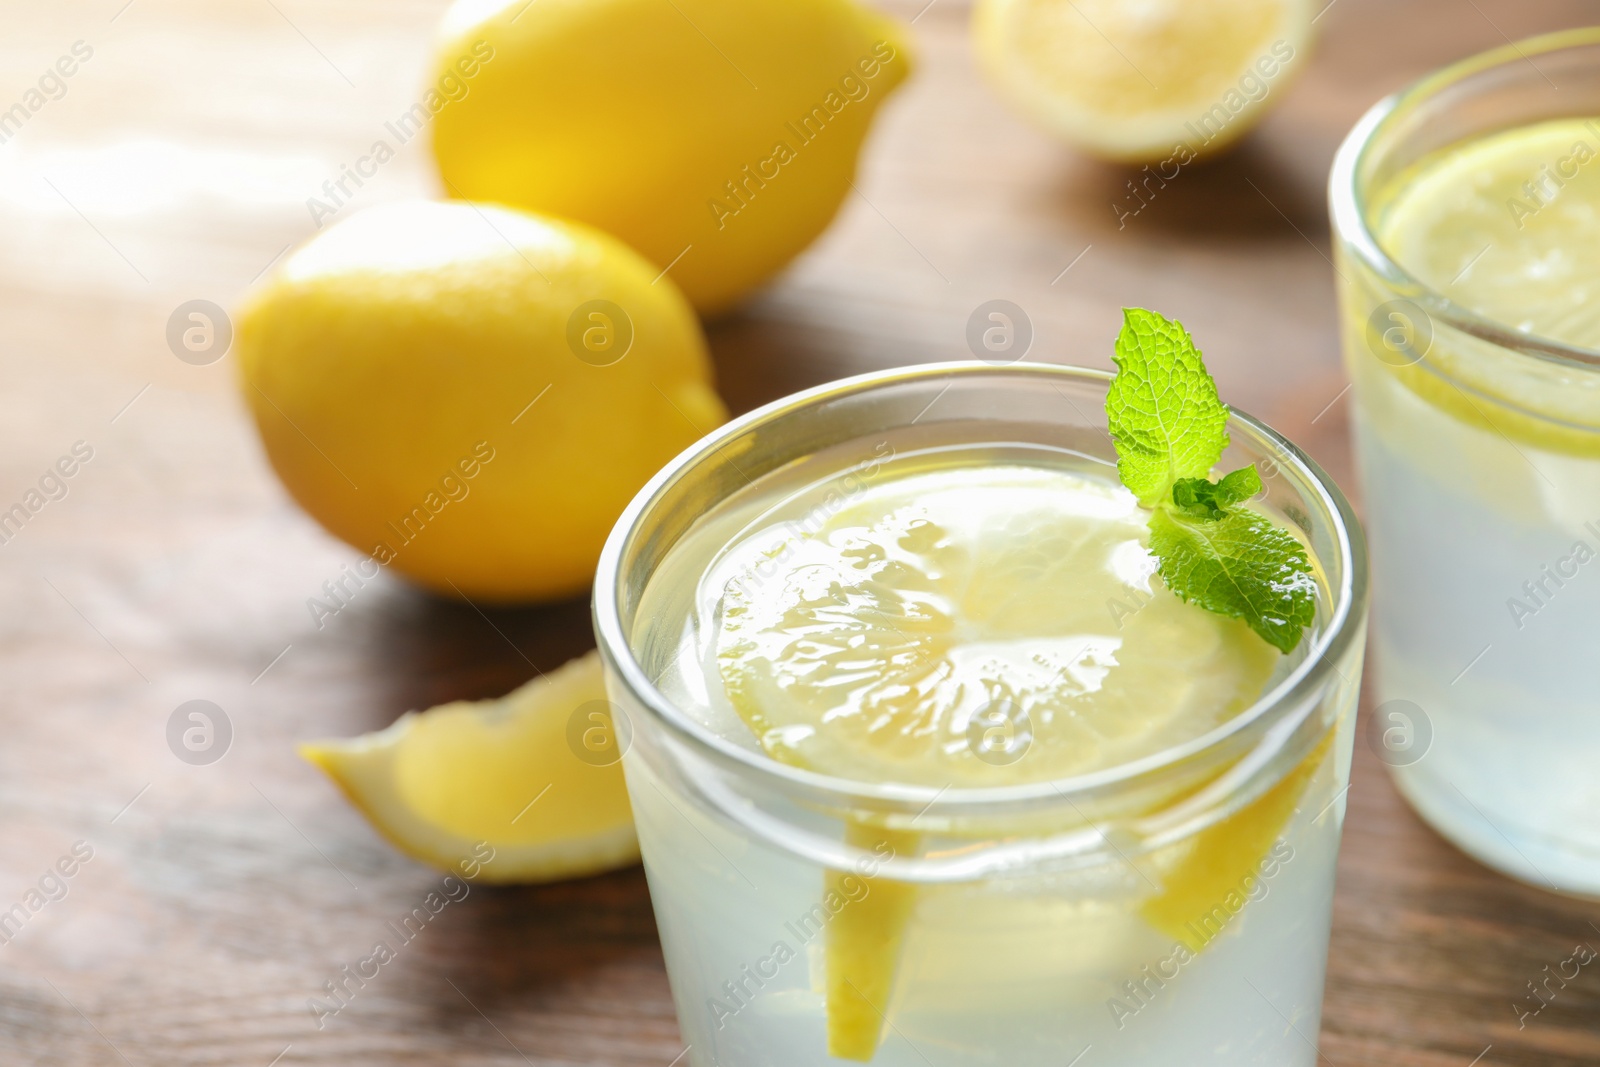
219	898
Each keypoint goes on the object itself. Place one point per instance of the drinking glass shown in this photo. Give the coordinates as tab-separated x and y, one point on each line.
1171	910
1479	449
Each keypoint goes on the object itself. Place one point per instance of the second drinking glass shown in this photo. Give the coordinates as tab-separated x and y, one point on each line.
1467	216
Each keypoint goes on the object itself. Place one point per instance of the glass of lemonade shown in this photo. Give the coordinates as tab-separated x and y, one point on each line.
929	768
1467	217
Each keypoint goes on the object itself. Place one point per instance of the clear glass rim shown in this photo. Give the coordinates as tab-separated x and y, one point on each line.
1347	201
1298	688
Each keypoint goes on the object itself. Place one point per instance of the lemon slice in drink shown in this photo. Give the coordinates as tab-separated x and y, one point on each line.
962	626
516	773
1218	859
863	947
1508	226
971	626
1134	79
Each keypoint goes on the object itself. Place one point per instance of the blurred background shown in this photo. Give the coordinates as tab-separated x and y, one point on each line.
175	164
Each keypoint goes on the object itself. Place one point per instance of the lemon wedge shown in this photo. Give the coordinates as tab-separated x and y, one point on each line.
1134	79
535	774
1221	858
863	947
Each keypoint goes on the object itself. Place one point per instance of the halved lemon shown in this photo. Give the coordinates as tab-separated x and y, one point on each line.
536	775
1135	79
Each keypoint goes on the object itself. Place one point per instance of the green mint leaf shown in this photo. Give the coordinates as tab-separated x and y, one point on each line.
1165	418
1238	486
1206	499
1242	566
1170	429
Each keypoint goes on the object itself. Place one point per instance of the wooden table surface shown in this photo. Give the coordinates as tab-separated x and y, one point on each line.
218	898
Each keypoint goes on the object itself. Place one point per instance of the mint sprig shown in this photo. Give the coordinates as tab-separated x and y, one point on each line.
1170	429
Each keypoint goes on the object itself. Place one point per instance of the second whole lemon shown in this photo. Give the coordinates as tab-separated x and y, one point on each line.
716	137
470	394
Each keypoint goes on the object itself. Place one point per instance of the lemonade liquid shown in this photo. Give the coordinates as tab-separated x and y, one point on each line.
1482	474
961	617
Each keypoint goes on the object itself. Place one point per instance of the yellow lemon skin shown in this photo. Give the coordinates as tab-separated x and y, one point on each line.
724	132
471	394
515	779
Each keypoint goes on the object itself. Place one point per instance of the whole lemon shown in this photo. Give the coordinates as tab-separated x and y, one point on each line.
717	137
472	394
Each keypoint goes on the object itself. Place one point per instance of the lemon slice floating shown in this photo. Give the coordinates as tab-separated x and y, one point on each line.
502	772
1133	79
1507	225
972	626
1493	225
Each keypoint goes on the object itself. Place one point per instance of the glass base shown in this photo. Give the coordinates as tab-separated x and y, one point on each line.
1496	841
